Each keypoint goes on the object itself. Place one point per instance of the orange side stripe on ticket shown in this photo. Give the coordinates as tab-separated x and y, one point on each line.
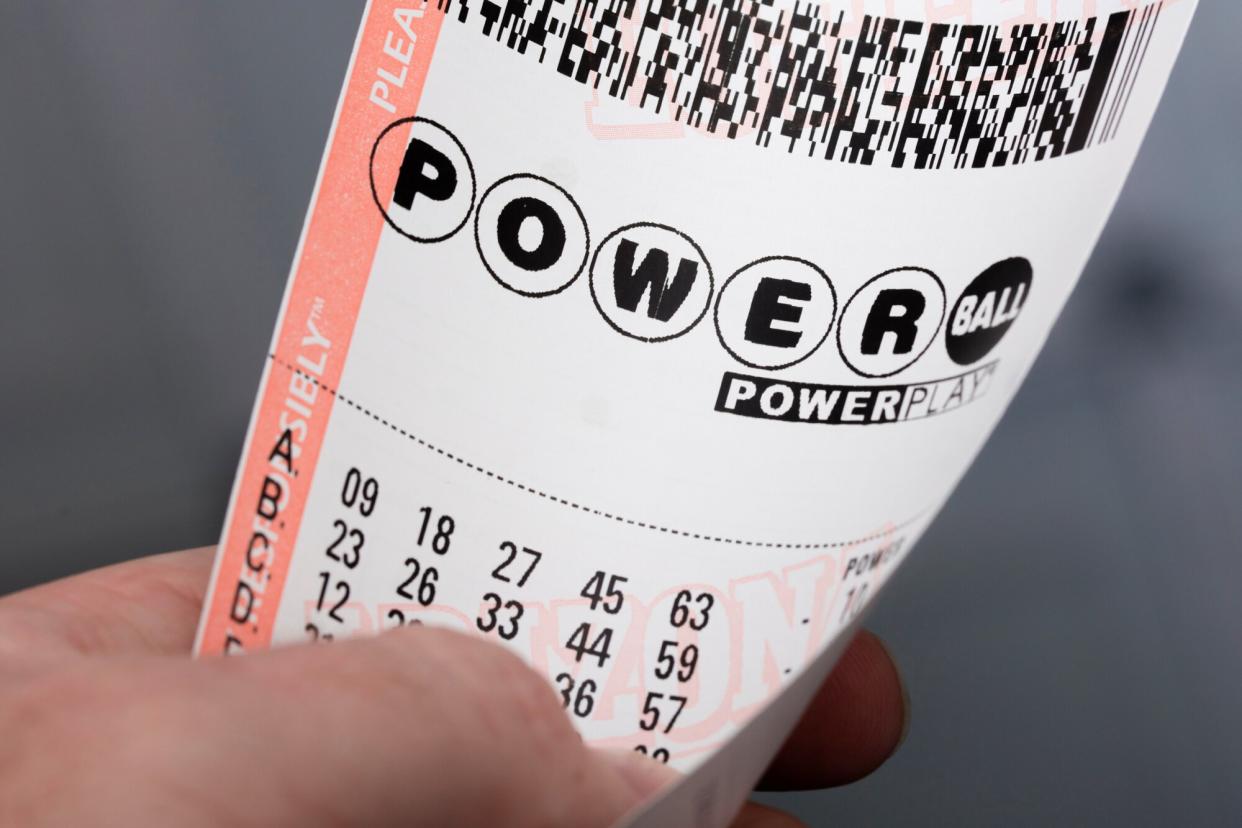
385	80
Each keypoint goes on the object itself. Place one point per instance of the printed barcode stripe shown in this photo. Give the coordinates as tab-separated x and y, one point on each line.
1101	79
881	91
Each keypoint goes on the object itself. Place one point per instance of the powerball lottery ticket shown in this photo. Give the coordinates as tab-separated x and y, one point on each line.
645	337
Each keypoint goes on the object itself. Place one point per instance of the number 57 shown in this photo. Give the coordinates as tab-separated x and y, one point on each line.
653	712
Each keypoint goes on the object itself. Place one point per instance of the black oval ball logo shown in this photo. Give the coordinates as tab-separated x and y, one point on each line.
987	309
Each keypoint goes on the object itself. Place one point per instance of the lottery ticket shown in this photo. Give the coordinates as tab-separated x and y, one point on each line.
645	337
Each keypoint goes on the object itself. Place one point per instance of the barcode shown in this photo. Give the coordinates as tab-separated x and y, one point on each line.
880	91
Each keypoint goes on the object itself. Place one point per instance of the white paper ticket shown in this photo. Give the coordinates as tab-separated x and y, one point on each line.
645	337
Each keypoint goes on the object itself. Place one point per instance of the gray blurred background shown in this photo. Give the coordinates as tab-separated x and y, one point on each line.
1069	629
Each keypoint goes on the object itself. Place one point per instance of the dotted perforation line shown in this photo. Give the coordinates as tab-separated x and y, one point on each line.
448	455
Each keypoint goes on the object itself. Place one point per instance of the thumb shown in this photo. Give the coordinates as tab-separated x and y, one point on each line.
415	727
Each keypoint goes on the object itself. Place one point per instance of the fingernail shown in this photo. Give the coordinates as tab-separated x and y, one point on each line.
645	777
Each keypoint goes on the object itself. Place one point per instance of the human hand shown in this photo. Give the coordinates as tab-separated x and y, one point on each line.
106	721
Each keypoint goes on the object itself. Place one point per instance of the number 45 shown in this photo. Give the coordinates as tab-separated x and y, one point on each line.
609	593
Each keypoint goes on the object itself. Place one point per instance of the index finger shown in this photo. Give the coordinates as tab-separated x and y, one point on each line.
146	606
